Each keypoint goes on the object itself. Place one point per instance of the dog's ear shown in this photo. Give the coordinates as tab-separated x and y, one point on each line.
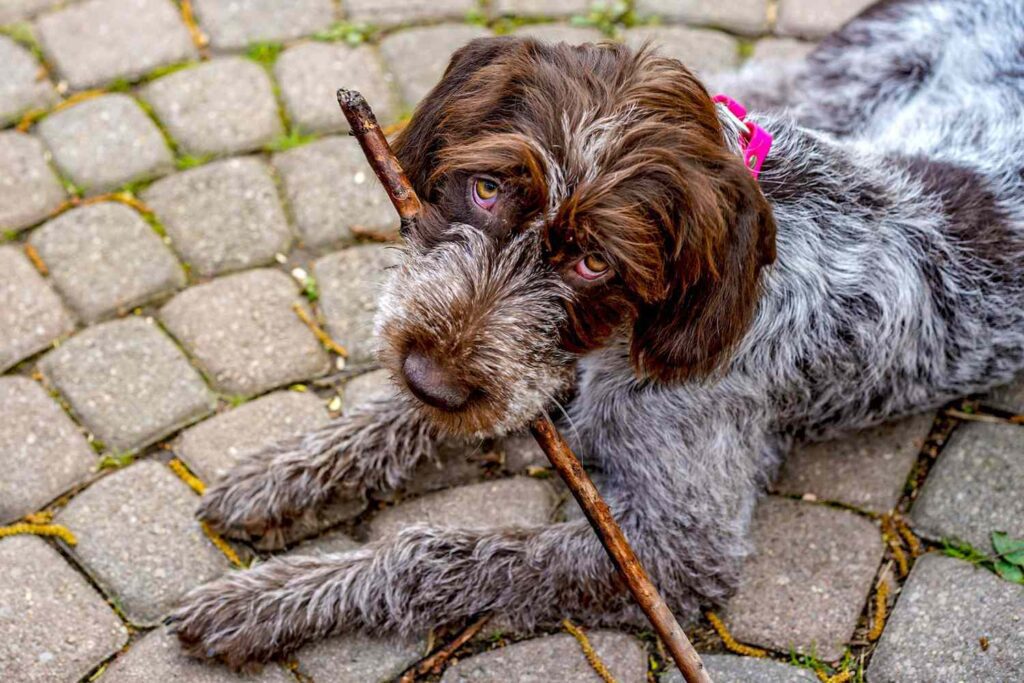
417	145
725	234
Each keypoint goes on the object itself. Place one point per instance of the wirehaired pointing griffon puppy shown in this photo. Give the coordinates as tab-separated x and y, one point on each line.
593	229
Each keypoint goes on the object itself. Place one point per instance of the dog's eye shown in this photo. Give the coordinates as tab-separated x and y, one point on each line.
485	192
591	267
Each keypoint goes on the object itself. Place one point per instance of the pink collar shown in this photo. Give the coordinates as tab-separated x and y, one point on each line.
755	143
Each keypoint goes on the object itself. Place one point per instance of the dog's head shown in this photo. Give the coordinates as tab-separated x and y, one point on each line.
575	197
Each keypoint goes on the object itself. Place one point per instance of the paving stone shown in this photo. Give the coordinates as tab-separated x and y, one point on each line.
866	470
358	659
127	382
743	16
554	658
946	608
106	142
367	388
333	541
1008	397
211	447
31	315
29	189
350	282
55	626
42	453
139	539
105	259
513	502
223	216
224	106
94	42
974	488
807	555
243	330
545	8
232	24
392	12
419	56
12	11
311	73
733	669
23	82
561	33
330	189
781	49
816	18
158	656
702	50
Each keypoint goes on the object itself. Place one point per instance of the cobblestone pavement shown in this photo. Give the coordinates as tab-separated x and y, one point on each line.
175	181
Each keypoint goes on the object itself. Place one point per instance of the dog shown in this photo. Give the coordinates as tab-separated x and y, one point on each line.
594	241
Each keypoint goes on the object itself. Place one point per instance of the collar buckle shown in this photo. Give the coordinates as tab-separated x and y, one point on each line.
755	142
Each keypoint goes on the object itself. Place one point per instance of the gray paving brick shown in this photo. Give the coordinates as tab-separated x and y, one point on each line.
311	73
158	656
513	502
333	541
243	331
561	33
223	216
127	382
139	539
946	608
211	447
702	50
330	189
94	42
781	49
29	189
554	658
733	669
106	142
232	24
419	56
974	488
815	18
544	8
55	626
743	16
806	555
366	388
391	12
31	314
224	106
42	453
358	659
1008	397
23	82
105	259
866	470
12	11
350	282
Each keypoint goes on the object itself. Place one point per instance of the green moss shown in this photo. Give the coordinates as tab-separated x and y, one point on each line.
186	161
310	289
71	188
166	70
294	138
234	400
119	85
351	33
264	53
115	461
745	49
22	34
607	17
8	235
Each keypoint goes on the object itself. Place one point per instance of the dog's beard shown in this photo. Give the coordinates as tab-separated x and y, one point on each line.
494	313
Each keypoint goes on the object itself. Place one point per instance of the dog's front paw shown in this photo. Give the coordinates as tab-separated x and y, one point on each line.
259	503
234	620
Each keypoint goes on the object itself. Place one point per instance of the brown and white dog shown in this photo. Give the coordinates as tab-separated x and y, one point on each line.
593	236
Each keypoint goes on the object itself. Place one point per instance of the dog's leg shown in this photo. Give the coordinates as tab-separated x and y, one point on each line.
692	542
271	492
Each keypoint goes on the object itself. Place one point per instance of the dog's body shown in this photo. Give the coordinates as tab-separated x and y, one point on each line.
895	206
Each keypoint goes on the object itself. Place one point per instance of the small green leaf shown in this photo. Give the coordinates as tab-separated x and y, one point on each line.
1010	572
1011	549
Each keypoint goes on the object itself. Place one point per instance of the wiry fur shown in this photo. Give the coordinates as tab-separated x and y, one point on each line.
896	194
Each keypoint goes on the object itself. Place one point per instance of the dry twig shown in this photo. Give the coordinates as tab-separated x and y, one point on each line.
434	662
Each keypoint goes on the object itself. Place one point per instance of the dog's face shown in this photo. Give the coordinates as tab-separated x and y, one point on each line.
575	197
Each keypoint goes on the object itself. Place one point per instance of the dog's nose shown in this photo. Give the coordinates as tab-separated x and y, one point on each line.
432	384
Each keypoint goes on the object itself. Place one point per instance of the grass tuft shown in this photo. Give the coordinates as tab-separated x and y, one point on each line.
264	54
351	33
294	138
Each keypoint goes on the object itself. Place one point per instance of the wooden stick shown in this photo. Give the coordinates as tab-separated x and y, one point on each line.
396	184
